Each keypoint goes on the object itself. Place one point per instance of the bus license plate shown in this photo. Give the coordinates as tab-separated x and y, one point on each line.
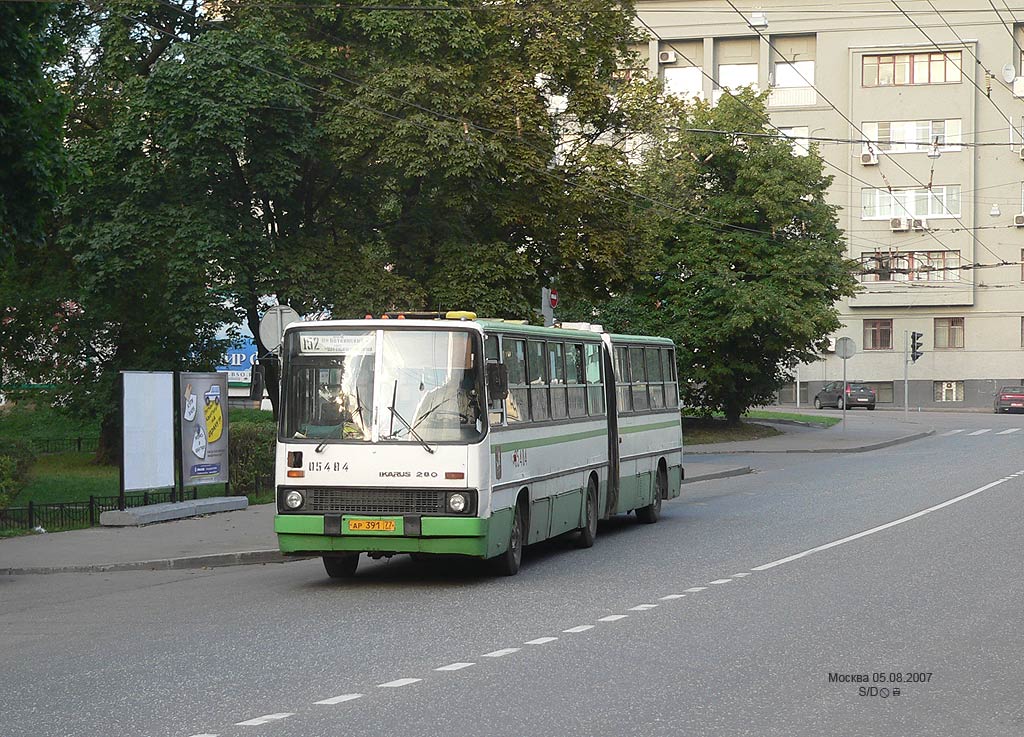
371	525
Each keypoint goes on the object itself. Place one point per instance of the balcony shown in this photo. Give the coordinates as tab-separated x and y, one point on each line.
792	97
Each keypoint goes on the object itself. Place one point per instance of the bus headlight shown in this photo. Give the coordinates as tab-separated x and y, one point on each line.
457	503
293	500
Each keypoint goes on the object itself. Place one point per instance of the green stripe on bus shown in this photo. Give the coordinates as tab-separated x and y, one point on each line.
572	437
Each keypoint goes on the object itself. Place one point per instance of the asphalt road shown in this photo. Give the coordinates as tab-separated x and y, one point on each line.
933	603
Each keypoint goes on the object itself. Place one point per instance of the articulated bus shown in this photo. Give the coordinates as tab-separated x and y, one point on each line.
470	437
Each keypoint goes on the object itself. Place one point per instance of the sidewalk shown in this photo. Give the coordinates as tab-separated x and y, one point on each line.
864	431
247	536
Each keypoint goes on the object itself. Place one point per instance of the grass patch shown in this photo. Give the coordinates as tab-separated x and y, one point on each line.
700	430
241	414
822	420
32	420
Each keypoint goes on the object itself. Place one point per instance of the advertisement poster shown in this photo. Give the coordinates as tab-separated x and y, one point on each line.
203	404
148	441
239	360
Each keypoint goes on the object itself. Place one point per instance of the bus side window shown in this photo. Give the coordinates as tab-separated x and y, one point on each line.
638	373
577	380
491	349
536	364
517	405
622	389
595	388
556	372
654	376
668	362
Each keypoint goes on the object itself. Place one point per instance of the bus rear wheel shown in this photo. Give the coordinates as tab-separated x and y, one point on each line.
341	566
587	533
652	512
507	564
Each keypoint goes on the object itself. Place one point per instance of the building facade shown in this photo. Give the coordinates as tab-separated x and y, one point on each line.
918	117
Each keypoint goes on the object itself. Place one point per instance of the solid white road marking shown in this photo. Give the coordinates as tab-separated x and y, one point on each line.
981	432
1007	432
721	580
951	432
642	607
541	641
613	618
695	589
399	683
265	719
339	699
673	596
580	628
455	666
501	653
886	526
740	575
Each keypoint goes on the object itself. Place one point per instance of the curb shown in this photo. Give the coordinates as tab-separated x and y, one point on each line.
217	560
739	471
857	449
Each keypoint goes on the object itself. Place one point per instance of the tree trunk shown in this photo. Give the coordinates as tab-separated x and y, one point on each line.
733	410
271	366
108	450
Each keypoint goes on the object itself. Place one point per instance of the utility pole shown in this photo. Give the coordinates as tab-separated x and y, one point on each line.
906	377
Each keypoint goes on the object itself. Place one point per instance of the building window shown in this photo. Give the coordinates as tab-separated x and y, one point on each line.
685	82
948	391
949	332
909	136
941	201
798	135
734	76
911	266
889	70
794	74
878	335
883	391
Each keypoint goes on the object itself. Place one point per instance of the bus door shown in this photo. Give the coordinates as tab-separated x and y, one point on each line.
612	412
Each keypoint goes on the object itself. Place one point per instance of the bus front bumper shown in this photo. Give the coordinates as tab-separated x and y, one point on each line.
304	534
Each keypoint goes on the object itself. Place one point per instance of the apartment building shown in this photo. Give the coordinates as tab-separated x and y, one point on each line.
918	117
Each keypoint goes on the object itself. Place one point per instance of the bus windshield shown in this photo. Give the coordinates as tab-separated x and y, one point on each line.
427	389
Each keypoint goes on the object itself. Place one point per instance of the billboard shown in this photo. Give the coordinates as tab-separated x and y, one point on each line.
147	402
239	360
203	404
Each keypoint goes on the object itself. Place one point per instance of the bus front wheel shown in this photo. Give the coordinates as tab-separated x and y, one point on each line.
507	564
341	566
652	512
587	533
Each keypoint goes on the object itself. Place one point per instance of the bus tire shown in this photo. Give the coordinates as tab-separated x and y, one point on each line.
341	566
587	533
652	512
507	564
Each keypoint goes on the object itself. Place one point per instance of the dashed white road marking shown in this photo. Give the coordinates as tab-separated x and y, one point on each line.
951	432
720	581
695	589
642	607
740	575
265	719
398	683
541	641
501	653
886	526
670	597
1007	432
454	666
340	699
613	618
981	432
580	628
206	735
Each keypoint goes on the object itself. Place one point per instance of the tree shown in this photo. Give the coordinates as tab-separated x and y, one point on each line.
751	263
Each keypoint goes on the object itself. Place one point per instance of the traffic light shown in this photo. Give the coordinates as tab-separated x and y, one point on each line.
915	346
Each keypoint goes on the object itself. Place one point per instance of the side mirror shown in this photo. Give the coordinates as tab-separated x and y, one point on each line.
497	381
256	383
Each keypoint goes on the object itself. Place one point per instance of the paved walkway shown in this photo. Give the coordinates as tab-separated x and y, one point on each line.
247	536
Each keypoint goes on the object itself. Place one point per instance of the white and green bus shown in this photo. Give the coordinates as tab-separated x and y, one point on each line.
468	437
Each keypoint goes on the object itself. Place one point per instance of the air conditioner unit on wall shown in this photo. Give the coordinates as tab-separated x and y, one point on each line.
1022	153
666	57
1018	220
898	225
869	158
919	224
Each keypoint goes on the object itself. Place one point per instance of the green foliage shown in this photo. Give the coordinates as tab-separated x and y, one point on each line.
16	459
752	259
251	457
258	416
38	419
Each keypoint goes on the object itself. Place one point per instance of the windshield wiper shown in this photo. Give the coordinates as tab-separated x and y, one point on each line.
411	429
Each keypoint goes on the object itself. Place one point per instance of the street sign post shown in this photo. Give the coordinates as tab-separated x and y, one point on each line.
845	348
